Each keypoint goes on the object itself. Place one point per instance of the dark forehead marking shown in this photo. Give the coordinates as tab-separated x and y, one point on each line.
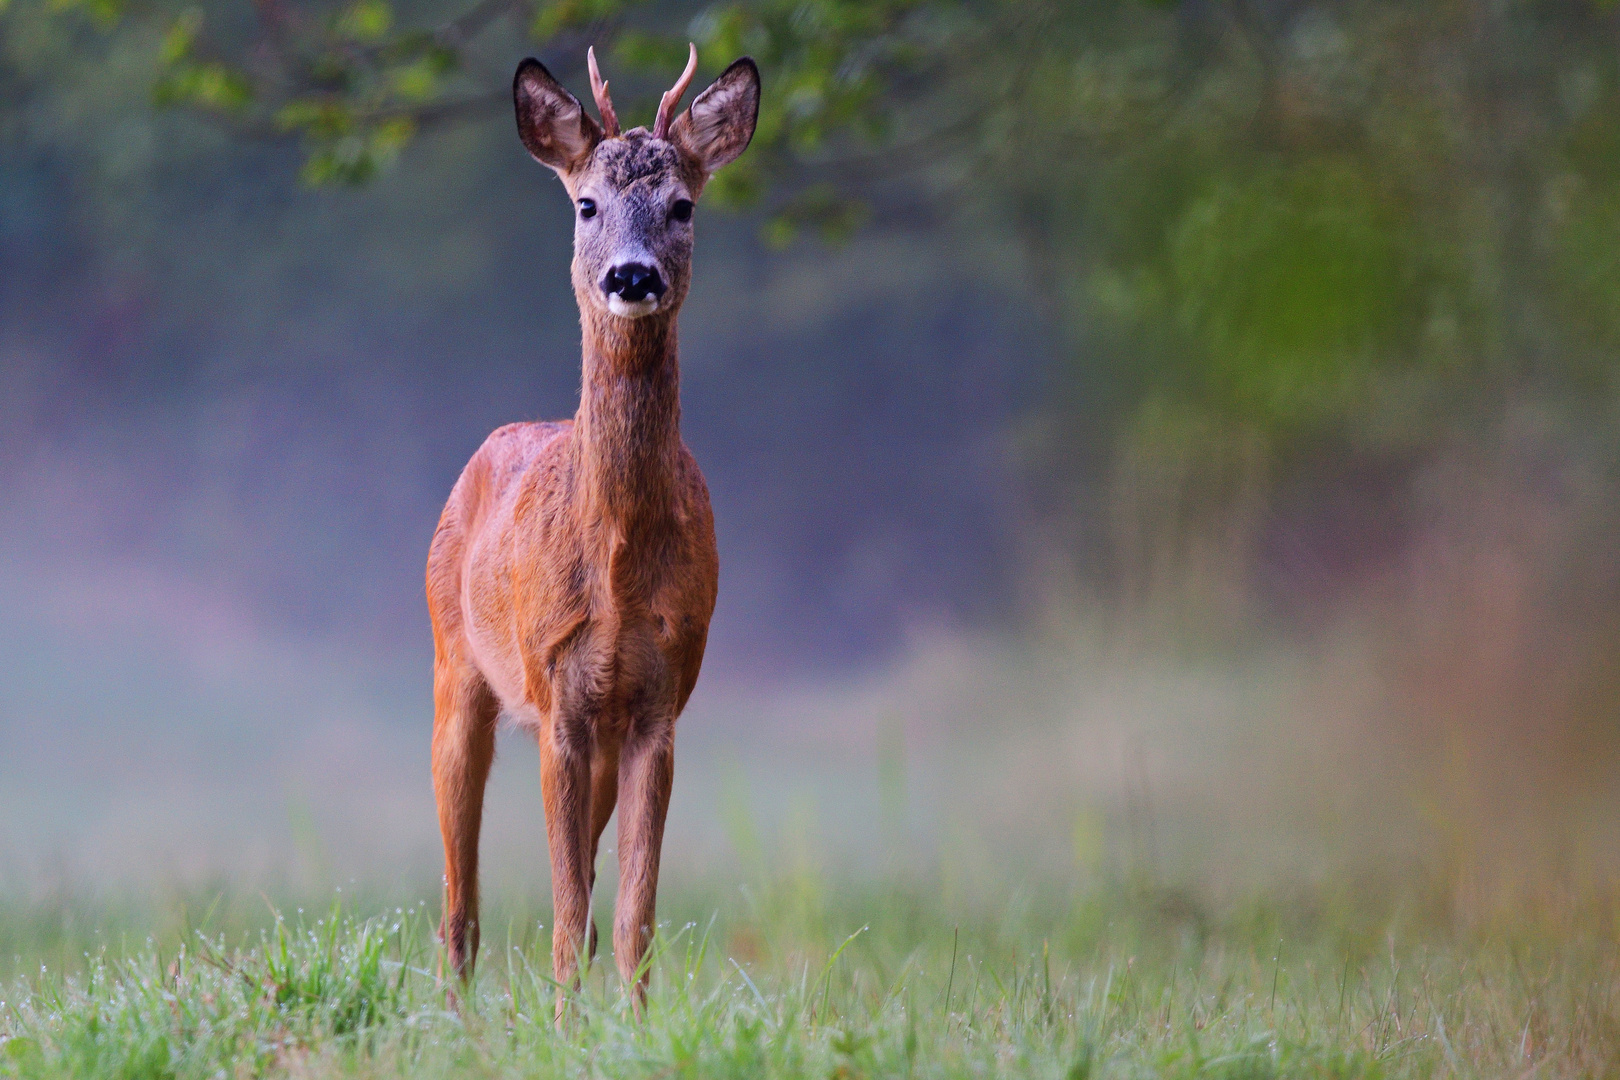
636	156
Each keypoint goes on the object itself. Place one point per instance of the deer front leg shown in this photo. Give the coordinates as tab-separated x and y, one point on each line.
646	773
464	713
565	779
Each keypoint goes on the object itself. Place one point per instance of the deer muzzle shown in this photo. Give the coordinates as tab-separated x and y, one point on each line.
632	285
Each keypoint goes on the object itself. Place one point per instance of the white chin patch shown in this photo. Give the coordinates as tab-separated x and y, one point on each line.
628	310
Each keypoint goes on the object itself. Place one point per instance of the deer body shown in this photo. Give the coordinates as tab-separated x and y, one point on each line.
573	573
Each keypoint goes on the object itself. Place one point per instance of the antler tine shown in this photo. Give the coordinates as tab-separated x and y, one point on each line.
599	90
666	106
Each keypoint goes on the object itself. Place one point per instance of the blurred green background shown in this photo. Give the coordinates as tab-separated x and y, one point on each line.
1171	441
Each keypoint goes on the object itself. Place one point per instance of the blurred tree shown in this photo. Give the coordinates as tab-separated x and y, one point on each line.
1293	198
356	81
1270	222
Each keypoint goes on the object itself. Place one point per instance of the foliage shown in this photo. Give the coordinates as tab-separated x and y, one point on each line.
1295	210
356	81
1363	226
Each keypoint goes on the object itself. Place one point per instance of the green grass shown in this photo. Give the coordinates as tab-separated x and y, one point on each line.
796	979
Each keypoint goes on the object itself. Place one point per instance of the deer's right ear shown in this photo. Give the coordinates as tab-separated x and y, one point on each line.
550	120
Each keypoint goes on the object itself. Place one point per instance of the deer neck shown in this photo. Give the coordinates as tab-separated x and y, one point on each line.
628	426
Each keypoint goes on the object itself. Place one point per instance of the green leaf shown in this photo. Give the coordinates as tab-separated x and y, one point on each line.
322	118
418	81
210	86
366	21
182	36
104	13
552	18
390	136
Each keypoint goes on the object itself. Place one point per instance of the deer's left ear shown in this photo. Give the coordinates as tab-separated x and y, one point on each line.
720	123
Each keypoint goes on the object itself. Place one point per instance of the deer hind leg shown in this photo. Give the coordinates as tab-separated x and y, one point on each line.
464	714
604	795
646	773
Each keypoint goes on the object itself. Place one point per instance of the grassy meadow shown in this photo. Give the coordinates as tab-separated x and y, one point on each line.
1170	877
1170	624
797	977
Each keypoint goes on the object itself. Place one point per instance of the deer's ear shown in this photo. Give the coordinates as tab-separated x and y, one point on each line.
720	123
551	123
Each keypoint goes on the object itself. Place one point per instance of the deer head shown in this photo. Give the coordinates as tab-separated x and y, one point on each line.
634	192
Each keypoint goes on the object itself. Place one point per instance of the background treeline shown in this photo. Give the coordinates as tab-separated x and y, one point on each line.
1166	460
1249	238
1180	321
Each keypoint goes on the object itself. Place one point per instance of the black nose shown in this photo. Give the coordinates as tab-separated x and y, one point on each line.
633	282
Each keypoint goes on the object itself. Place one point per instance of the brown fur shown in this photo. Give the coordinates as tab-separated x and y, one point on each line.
573	573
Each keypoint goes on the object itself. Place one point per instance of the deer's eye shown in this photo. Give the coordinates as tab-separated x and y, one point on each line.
682	210
587	208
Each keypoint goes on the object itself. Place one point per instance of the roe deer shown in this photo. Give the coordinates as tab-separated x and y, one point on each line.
573	572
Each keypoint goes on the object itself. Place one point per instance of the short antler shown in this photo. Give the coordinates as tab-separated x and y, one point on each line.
666	106
599	90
